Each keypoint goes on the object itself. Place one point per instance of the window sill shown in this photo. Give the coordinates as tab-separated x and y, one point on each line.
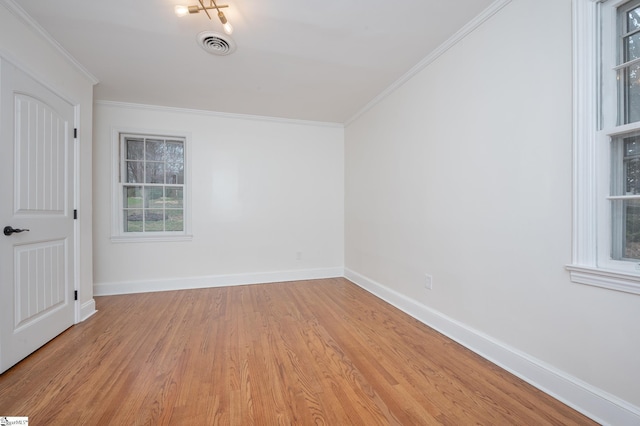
604	278
150	238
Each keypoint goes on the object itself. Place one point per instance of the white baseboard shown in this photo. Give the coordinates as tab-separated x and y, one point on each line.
87	309
593	402
145	286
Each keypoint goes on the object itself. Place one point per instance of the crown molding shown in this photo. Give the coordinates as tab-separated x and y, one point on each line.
116	104
439	51
21	14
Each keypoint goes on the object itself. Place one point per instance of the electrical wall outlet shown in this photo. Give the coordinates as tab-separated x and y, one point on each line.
428	283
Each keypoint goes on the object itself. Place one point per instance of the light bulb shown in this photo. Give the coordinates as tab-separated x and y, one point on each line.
225	24
181	10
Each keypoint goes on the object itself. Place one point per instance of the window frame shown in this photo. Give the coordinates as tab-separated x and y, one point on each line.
118	233
594	55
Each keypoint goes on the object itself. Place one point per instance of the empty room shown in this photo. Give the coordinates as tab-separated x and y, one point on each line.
338	213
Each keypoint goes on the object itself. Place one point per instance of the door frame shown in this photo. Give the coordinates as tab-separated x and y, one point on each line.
76	203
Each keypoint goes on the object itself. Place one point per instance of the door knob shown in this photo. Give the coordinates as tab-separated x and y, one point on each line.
8	230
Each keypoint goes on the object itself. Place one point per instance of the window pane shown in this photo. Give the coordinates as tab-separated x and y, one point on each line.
632	146
175	173
173	197
135	149
633	19
175	220
155	150
135	170
632	47
132	197
630	92
154	173
632	178
625	166
632	231
154	197
154	220
133	221
175	152
175	162
632	175
626	215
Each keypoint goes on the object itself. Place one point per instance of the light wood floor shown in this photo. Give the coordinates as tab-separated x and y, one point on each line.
312	352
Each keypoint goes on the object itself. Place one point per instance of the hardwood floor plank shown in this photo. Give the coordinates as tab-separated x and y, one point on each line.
300	353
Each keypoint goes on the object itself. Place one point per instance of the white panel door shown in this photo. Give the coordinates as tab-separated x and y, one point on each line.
36	194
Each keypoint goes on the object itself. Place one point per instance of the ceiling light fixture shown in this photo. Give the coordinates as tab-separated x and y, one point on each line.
184	10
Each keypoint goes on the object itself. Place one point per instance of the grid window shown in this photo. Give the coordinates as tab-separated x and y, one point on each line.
152	170
624	195
606	246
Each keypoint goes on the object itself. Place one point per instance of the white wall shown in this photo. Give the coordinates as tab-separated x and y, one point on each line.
262	190
22	45
465	173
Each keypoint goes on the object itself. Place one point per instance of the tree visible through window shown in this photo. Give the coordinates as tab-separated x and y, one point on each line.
152	177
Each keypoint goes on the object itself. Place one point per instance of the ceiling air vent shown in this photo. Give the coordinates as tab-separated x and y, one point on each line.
218	44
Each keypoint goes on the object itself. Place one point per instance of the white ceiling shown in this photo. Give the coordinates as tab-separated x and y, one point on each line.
319	61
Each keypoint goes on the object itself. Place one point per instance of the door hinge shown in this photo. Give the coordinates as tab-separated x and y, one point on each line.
75	213
75	295
75	133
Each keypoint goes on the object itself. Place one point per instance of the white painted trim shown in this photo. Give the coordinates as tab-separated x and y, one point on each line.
591	245
584	130
76	207
218	114
87	309
593	402
145	286
164	238
613	280
439	51
20	13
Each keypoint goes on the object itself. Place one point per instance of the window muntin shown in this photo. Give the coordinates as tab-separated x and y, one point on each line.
629	62
152	170
621	125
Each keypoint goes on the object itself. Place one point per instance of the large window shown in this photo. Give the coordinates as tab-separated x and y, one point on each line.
624	192
150	194
607	144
